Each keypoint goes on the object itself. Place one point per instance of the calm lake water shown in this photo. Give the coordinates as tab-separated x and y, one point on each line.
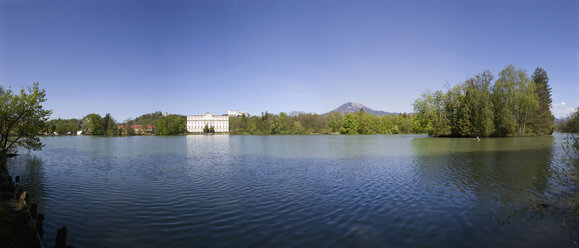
294	191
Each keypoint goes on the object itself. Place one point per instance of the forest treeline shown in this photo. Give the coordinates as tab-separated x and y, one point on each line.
512	105
95	124
332	123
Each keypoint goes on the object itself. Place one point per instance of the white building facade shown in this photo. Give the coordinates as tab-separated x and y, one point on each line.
196	123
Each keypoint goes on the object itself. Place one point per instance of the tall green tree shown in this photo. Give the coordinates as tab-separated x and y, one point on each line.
478	95
503	100
109	125
363	122
22	118
526	102
542	119
334	121
350	124
94	124
464	127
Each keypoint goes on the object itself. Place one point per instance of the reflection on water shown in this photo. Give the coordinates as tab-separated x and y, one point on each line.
29	168
498	176
271	191
492	168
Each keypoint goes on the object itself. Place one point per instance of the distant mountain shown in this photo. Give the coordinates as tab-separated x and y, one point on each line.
352	107
557	120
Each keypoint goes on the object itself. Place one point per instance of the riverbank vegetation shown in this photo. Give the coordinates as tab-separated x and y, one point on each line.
332	123
22	118
95	124
171	125
512	105
569	124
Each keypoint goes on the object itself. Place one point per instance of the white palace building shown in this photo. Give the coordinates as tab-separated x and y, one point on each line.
196	123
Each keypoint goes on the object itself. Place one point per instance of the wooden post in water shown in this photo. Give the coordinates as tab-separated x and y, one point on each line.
39	221
17	191
17	178
11	184
61	238
33	210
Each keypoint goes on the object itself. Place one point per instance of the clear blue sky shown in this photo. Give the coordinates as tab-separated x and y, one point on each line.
130	57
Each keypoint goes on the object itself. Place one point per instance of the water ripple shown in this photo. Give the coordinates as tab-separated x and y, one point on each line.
286	191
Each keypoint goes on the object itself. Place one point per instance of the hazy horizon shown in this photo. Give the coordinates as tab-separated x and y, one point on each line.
128	58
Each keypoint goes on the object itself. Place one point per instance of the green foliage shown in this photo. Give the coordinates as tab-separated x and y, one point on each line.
515	101
267	124
127	130
570	124
542	118
63	126
171	125
478	108
305	123
350	124
478	97
146	119
503	99
363	123
109	126
208	129
334	121
435	111
93	124
22	118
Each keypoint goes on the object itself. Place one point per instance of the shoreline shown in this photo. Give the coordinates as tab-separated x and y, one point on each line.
17	225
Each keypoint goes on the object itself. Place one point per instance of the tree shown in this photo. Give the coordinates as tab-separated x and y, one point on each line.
172	125
464	119
63	126
571	123
526	102
542	118
22	118
148	119
503	100
477	94
363	122
479	108
350	124
94	124
334	121
109	125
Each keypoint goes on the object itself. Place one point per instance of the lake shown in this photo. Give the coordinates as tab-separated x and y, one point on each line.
295	191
